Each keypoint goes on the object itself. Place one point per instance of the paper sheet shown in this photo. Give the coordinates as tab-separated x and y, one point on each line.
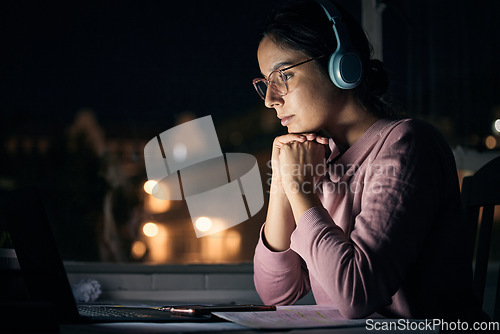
291	317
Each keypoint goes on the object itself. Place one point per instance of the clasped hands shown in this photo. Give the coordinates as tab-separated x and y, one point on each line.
297	161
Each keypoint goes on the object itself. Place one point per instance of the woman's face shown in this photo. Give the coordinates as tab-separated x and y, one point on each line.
312	99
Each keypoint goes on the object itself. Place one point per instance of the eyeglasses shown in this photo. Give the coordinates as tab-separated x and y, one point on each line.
276	80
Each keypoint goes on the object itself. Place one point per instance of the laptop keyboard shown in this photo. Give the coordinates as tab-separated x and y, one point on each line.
111	312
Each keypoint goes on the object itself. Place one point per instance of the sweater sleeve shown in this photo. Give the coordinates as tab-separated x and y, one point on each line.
362	271
280	278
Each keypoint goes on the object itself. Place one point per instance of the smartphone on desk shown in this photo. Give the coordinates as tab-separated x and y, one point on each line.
200	310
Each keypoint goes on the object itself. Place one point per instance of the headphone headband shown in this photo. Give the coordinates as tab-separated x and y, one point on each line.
345	66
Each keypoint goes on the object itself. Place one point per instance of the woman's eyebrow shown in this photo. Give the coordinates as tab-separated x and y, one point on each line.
277	66
281	64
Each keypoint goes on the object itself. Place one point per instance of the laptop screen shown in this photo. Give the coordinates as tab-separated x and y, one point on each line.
42	268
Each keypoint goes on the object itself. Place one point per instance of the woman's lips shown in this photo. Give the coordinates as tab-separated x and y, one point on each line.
286	120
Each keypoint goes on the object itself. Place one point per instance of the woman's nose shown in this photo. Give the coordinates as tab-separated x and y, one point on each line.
272	98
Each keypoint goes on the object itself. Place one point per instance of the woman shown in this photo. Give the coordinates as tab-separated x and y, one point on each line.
364	209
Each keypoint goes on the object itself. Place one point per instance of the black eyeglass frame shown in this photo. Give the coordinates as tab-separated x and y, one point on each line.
283	77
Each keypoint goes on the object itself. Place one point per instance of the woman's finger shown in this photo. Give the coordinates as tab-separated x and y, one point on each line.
291	137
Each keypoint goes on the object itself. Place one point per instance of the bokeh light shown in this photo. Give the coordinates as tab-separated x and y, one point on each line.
150	229
496	126
203	224
490	142
149	186
138	249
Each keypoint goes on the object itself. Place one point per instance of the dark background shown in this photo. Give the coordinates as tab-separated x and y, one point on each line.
140	63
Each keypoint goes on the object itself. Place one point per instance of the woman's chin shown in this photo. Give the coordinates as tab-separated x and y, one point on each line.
296	129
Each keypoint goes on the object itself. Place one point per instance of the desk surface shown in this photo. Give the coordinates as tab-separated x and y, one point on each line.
229	328
219	327
186	328
295	319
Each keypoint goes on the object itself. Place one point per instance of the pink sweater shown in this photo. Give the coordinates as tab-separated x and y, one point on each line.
389	237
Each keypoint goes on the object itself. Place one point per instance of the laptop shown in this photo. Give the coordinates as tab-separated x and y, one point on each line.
46	284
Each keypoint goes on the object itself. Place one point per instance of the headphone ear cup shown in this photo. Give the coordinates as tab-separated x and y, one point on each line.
345	69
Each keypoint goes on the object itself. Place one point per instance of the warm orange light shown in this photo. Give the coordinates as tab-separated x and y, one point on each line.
203	224
490	142
150	229
156	205
233	242
149	186
138	249
159	249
